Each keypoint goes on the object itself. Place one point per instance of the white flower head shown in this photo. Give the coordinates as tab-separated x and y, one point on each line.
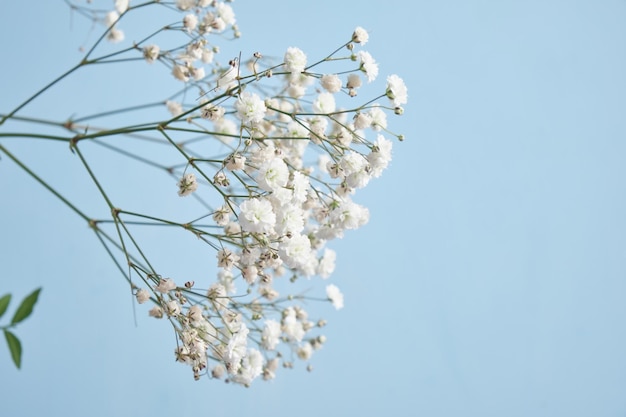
187	185
115	35
271	335
324	104
380	156
121	5
174	107
142	296
273	175
257	216
331	83
396	90
295	60
335	296
190	22
326	265
165	285
250	108
368	65
360	35
151	53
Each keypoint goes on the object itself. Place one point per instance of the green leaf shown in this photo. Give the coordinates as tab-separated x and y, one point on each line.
4	303
24	310
15	347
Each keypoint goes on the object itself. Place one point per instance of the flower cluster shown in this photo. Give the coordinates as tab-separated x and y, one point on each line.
294	148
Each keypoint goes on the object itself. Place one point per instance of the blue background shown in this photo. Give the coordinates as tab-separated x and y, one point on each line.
490	280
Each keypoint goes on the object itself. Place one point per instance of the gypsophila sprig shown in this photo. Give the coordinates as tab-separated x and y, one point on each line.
269	155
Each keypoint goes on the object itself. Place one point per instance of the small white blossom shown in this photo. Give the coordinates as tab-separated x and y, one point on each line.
151	53
165	285
295	60
368	65
142	296
115	35
121	5
187	185
256	216
335	296
331	83
360	35
324	103
181	72
326	265
354	81
396	90
156	312
250	108
273	175
190	22
174	107
270	337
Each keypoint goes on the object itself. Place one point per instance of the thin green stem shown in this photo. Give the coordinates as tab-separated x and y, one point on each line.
45	184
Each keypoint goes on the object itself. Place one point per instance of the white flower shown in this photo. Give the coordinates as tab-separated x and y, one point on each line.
290	219
181	72
360	35
190	22
251	367
354	81
305	351
165	285
324	103
291	326
271	335
225	129
235	161
380	156
295	60
197	73
335	296
110	18
379	118
327	263
273	175
356	169
236	349
151	53
226	258
250	108
296	252
212	112
115	35
301	185
174	107
331	83
142	296
368	65
396	90
156	312
121	5
349	215
362	120
187	185
185	4
172	308
226	13
256	216
227	280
